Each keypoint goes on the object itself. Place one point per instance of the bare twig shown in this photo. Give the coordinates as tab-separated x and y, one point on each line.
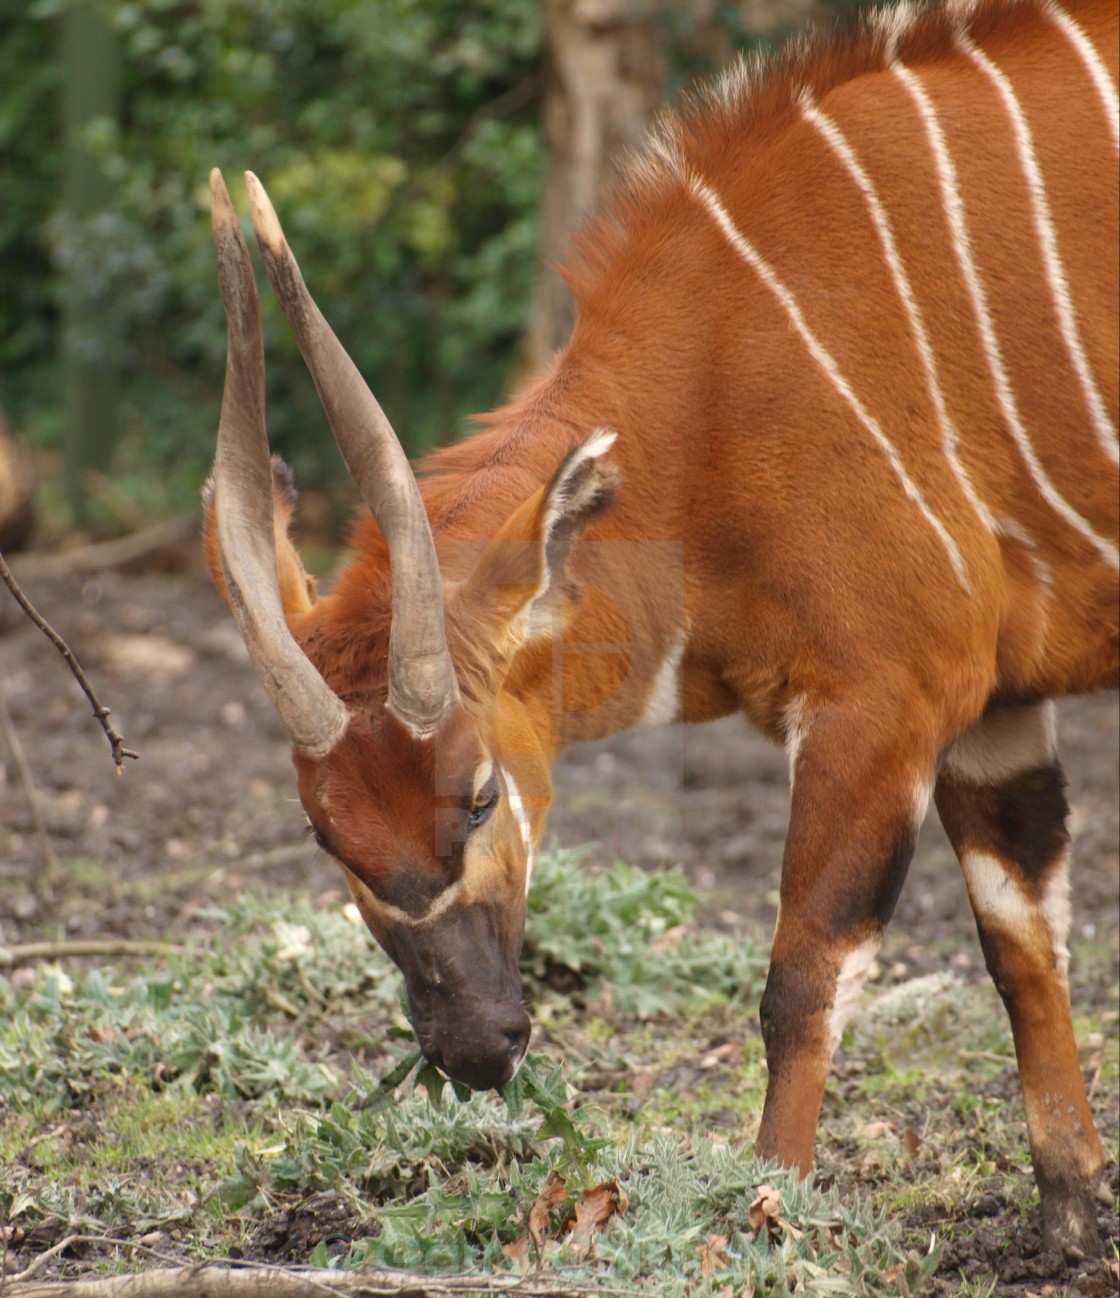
116	741
25	952
248	1280
11	738
244	1279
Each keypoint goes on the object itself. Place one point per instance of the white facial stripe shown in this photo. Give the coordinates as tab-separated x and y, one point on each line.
879	218
517	806
1094	65
1003	743
443	902
962	247
1048	244
663	703
849	985
827	363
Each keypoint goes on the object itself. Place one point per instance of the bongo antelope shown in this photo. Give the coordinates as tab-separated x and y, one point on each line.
833	444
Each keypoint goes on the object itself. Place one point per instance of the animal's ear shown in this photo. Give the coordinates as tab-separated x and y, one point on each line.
297	589
519	587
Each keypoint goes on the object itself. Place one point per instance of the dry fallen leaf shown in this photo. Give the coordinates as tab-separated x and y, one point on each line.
723	1054
875	1130
592	1213
728	1291
518	1252
790	1229
554	1191
669	939
911	1141
714	1256
763	1212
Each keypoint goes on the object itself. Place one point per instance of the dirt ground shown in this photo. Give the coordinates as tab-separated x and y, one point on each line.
210	806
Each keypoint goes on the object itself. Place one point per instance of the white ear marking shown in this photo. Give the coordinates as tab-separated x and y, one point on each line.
600	441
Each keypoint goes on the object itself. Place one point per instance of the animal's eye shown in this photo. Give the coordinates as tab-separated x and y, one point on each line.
485	800
320	841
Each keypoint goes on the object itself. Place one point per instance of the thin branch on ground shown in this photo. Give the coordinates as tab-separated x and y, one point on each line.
99	556
30	792
25	952
257	1280
116	741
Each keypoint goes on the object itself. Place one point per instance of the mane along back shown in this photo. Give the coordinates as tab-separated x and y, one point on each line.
718	128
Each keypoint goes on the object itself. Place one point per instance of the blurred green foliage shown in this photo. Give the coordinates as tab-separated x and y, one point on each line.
399	141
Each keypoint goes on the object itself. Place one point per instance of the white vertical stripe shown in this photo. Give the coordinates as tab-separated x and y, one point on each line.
1094	65
1048	243
879	218
828	363
954	211
517	806
663	702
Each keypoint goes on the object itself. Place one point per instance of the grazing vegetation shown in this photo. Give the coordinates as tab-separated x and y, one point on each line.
260	1095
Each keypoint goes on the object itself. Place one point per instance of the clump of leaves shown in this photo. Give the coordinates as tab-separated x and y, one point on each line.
632	931
210	1020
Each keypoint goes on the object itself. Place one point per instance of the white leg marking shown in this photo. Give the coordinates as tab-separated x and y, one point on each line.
517	806
879	218
1056	912
962	246
999	901
995	896
1004	742
663	703
794	724
849	985
1094	65
828	364
923	791
1048	243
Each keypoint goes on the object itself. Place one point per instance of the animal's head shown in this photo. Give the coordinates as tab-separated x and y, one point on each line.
420	772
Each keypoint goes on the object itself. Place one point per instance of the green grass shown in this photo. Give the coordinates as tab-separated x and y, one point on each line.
269	1068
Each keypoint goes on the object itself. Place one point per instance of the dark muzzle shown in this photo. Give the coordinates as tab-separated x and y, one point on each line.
479	1045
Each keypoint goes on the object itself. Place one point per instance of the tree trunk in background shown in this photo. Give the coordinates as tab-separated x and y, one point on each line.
604	73
603	76
89	91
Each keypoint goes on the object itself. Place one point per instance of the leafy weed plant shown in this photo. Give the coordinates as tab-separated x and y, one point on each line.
201	1096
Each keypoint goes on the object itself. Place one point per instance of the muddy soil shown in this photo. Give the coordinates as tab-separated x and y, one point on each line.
210	808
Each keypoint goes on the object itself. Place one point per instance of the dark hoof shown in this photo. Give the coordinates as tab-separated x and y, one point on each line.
1069	1227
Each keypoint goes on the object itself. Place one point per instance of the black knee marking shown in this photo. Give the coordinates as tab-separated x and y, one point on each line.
1030	811
794	995
1022	821
875	889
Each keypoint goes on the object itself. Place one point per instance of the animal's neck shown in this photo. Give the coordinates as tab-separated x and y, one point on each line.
616	663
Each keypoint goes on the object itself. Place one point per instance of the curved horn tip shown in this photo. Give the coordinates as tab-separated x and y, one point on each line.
265	221
222	214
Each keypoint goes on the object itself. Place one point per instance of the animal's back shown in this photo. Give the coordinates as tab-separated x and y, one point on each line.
873	292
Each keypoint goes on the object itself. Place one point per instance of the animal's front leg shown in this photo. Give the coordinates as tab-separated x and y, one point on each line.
860	793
